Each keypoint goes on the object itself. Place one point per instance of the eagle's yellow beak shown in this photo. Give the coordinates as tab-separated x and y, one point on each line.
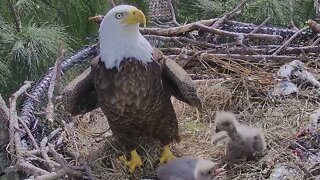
135	16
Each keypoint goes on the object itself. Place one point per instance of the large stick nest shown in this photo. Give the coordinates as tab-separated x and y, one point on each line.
234	66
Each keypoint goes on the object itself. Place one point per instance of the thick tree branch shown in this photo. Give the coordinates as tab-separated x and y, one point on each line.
233	34
15	145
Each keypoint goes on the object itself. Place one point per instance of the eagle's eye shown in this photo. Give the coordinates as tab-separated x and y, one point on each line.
119	15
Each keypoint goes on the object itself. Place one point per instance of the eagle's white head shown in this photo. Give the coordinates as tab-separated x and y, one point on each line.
120	36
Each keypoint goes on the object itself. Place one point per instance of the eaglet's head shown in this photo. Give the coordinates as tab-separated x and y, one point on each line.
120	37
225	121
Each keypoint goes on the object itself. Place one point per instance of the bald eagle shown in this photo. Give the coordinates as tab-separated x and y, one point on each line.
132	82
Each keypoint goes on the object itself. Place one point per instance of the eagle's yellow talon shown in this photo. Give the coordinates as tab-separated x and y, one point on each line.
134	162
166	155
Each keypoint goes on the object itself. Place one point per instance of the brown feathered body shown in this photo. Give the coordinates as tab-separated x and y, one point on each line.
136	101
135	97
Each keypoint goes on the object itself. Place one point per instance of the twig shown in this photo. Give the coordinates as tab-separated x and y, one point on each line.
233	34
289	40
111	2
32	156
4	120
307	173
64	170
253	58
228	15
58	157
15	145
54	133
316	42
256	29
293	25
50	105
87	169
173	14
31	97
178	39
45	155
164	32
315	170
34	142
31	169
159	25
247	51
43	144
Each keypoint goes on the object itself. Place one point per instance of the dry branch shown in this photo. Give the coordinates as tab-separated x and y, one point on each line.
258	58
50	106
228	15
179	40
173	14
4	120
257	29
233	34
26	128
111	2
15	145
285	44
247	51
163	31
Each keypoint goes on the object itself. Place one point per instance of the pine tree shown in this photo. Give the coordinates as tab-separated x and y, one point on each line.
256	11
31	30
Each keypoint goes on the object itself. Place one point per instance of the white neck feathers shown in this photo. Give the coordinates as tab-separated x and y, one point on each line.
118	42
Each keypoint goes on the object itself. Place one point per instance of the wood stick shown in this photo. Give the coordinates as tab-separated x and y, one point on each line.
228	15
4	120
178	39
164	32
176	30
289	40
26	128
256	29
31	169
111	2
257	58
50	105
173	14
15	144
233	34
316	42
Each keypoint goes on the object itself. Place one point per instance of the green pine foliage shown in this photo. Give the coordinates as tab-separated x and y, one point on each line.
281	12
29	49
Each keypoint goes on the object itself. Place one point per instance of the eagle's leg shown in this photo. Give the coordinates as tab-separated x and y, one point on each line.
134	162
166	155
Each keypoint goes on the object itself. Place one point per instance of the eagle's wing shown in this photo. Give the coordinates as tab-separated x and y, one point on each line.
180	82
79	96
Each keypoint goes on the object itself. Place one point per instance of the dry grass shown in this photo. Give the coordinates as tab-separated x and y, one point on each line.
245	94
281	121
